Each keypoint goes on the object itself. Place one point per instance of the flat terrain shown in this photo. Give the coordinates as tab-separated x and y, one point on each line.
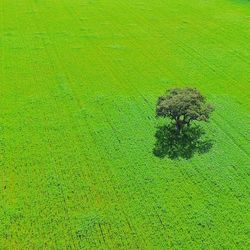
79	80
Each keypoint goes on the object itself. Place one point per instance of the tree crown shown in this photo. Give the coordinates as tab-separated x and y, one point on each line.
183	106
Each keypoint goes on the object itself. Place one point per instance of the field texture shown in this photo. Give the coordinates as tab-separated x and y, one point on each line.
79	80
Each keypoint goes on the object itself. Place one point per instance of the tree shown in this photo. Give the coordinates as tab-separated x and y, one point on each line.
183	106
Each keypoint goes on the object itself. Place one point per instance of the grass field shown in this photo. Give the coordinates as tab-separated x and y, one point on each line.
79	81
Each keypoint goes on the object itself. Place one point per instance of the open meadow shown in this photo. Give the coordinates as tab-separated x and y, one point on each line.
79	81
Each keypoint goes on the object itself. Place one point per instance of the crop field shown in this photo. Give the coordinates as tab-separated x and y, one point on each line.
79	80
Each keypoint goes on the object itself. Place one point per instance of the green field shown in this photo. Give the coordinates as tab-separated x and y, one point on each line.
79	80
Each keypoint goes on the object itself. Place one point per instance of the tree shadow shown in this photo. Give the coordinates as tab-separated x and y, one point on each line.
184	145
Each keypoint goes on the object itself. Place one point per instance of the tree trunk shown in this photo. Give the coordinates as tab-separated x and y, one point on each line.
178	126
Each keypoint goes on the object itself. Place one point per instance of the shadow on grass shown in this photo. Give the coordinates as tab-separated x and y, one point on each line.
184	145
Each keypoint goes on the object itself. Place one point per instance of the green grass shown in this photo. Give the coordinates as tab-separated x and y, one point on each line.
78	86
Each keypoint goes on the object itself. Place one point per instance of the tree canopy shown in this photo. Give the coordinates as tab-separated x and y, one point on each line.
182	106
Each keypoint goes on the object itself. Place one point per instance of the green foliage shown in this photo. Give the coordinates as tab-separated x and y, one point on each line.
77	125
183	106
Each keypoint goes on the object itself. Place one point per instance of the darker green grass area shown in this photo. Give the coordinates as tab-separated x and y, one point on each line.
170	143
